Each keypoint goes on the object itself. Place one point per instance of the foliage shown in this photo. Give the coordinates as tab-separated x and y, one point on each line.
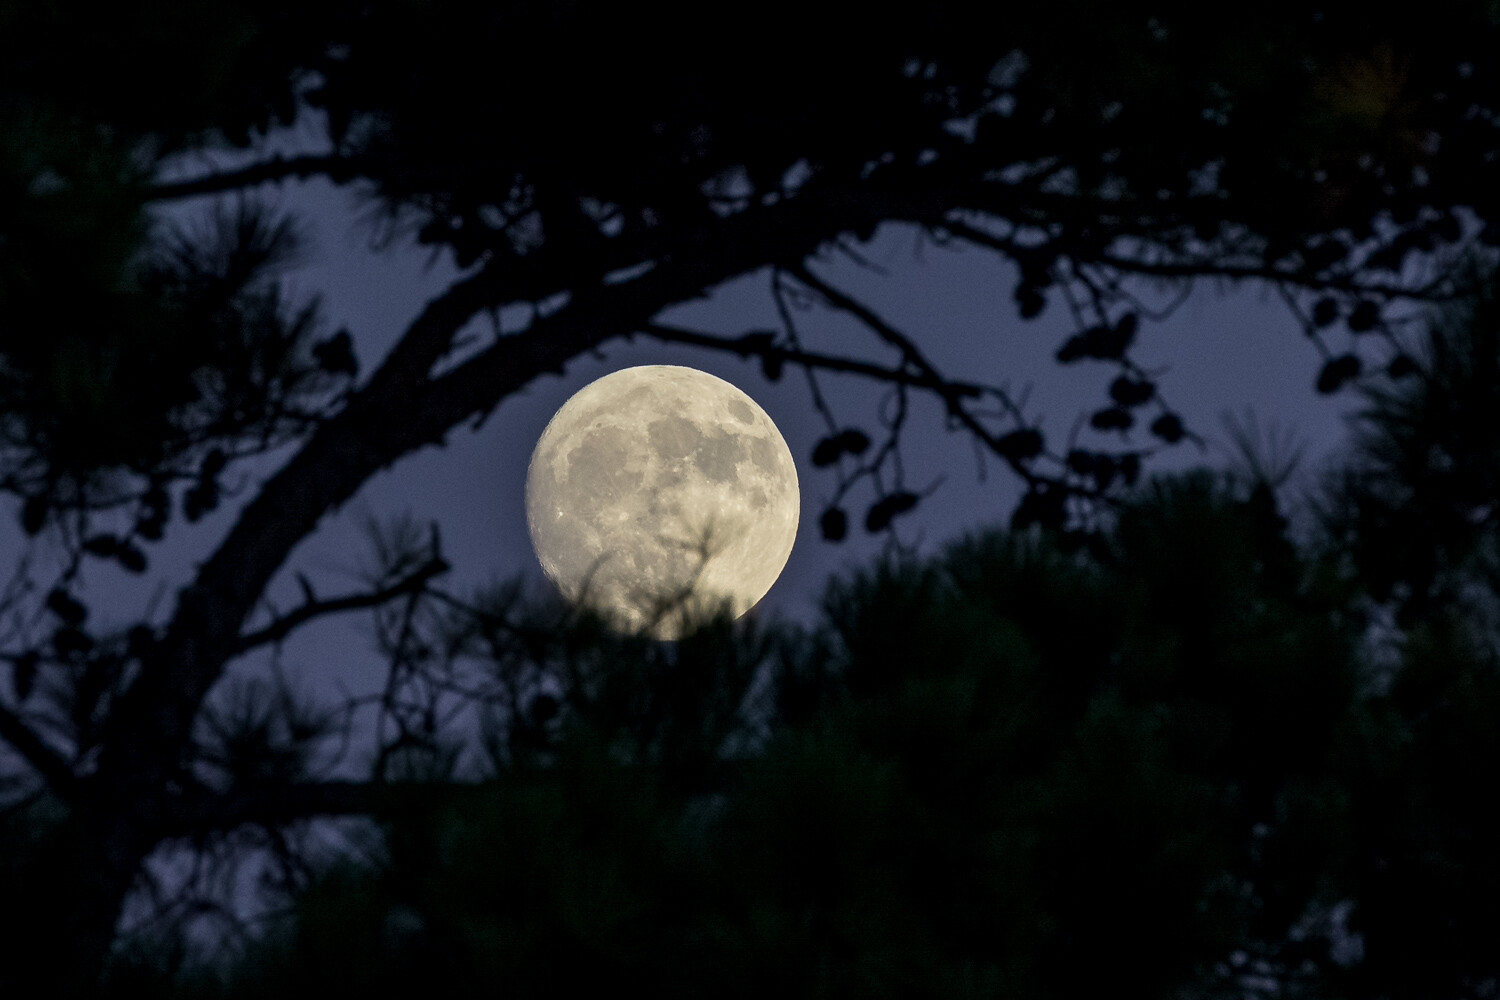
1017	757
1418	507
1176	753
1120	730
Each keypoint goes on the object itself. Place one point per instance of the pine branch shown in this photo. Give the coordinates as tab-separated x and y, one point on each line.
339	169
400	410
312	608
763	347
48	763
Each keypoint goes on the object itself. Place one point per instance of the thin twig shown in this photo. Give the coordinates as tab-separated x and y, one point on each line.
338	169
287	623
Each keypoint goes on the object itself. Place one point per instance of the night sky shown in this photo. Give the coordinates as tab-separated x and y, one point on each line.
1225	349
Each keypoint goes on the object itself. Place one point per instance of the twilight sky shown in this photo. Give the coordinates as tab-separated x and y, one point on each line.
1223	350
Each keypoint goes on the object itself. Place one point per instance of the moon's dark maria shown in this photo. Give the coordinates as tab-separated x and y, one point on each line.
658	493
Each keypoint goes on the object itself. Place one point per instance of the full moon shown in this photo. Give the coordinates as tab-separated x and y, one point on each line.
658	494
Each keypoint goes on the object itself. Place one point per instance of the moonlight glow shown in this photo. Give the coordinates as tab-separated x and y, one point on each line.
661	491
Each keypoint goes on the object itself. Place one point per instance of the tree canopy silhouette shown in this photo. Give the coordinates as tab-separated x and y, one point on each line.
580	158
1005	771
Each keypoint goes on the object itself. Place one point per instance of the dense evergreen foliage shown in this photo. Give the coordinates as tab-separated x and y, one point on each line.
1141	739
1179	759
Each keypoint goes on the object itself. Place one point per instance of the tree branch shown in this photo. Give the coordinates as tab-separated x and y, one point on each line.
285	624
48	763
1337	283
749	345
401	409
1204	268
338	169
896	338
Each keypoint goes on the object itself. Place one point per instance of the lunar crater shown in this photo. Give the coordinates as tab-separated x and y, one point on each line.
668	481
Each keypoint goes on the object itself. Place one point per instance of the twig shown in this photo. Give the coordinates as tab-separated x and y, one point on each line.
338	169
312	608
747	346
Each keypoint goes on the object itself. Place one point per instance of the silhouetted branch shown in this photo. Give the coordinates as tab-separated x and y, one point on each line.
283	625
1299	278
400	410
750	344
895	338
780	295
910	354
338	169
52	767
1207	267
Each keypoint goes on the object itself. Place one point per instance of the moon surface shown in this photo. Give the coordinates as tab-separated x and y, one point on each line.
656	494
